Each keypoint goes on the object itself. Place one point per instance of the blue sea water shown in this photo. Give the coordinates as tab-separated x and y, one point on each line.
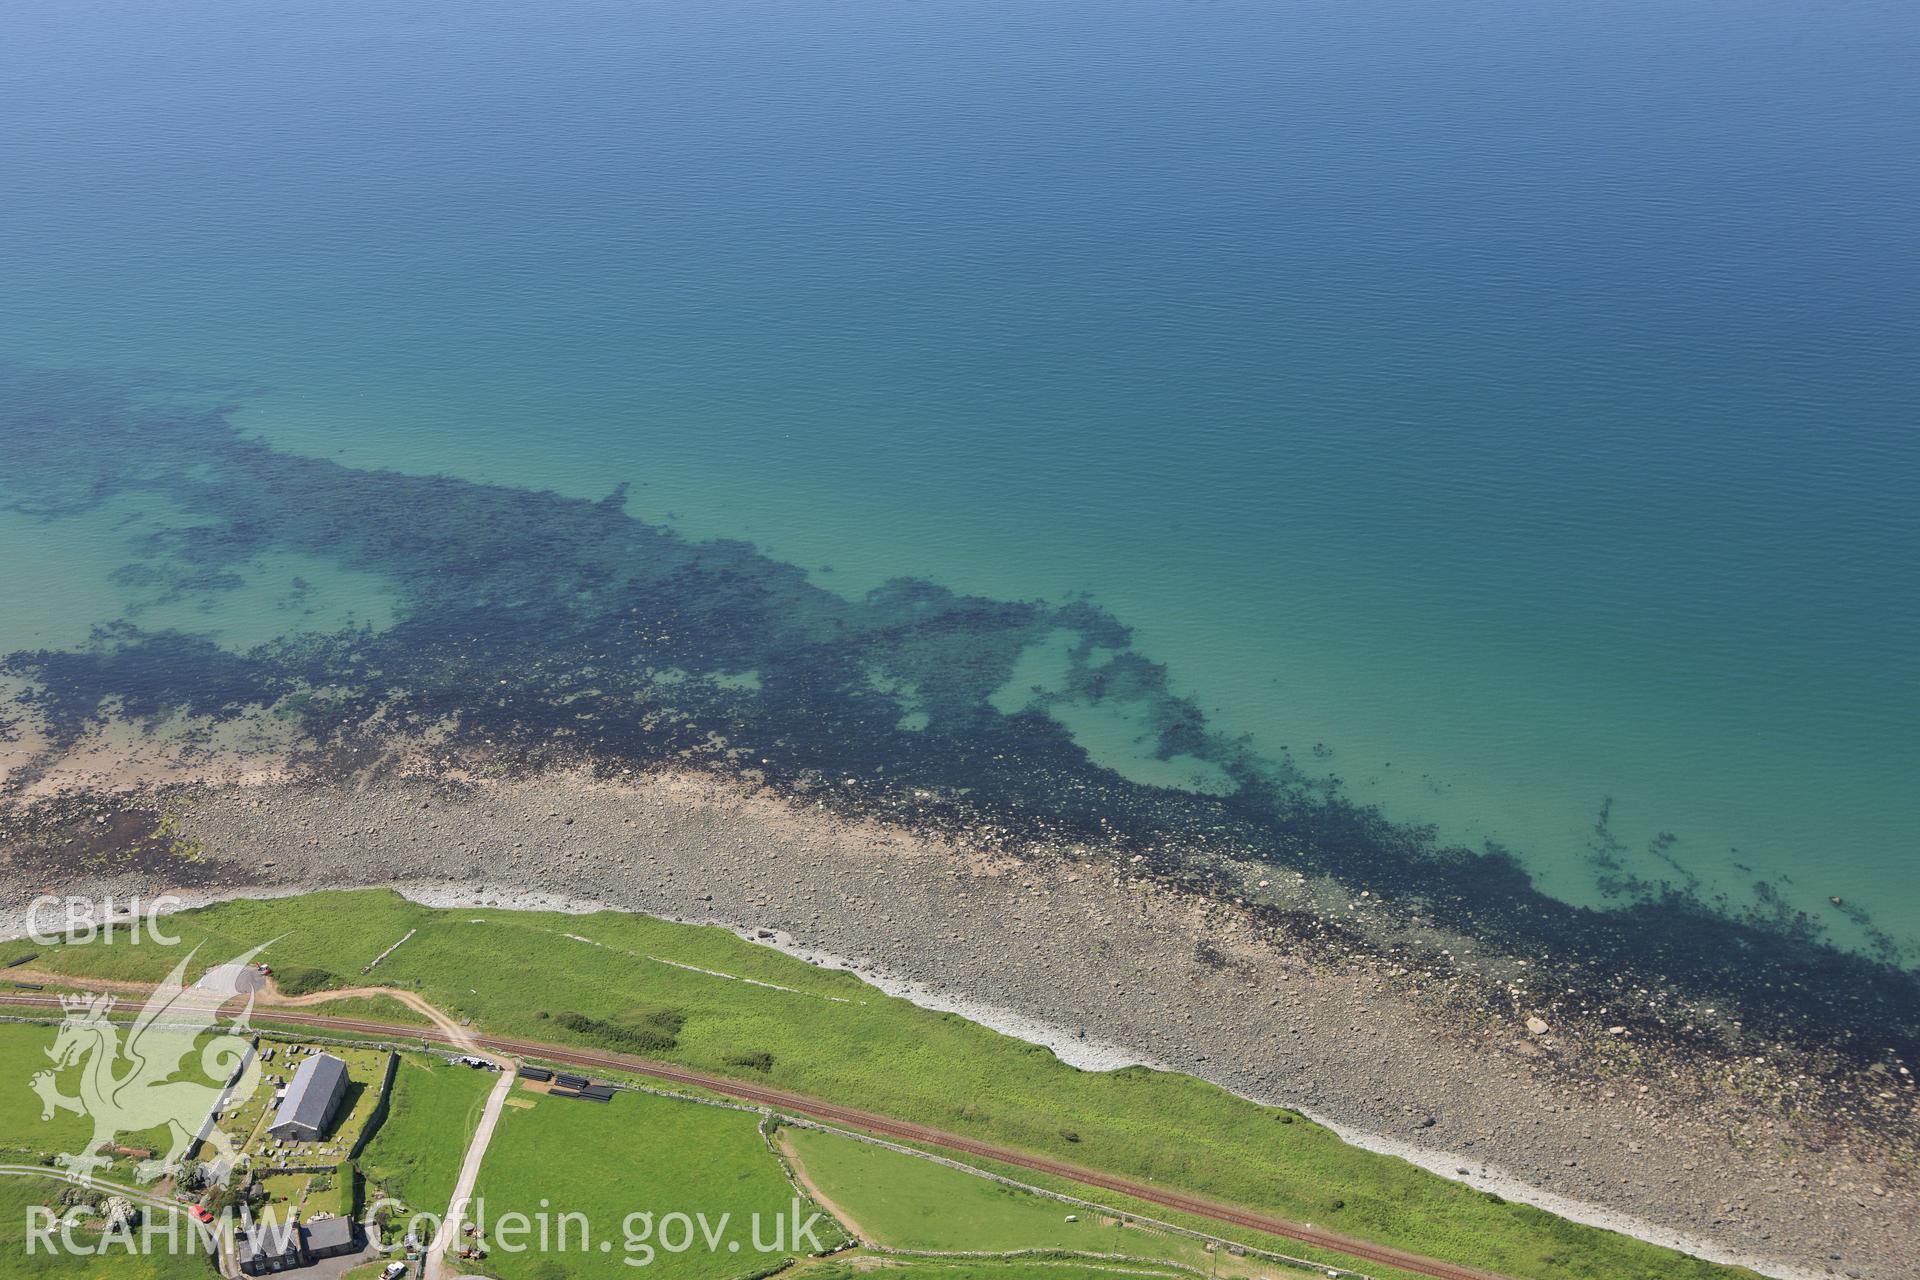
1507	408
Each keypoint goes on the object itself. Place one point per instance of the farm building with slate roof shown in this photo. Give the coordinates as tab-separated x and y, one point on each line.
271	1247
333	1238
313	1095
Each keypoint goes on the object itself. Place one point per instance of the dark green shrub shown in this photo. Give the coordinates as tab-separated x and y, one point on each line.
296	980
757	1060
651	1031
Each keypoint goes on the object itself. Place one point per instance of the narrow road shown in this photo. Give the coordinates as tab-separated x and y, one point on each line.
453	1032
872	1122
447	1238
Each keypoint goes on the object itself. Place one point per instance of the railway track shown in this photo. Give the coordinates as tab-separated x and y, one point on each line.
872	1122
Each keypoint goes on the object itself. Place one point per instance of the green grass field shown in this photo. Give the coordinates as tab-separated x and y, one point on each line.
903	1202
639	1154
26	1136
283	1195
308	1194
869	1268
158	1262
1207	1226
830	1035
415	1155
23	1052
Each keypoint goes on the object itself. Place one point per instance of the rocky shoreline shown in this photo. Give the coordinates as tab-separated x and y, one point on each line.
1472	1069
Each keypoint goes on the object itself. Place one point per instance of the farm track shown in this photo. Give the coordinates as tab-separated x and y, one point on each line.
873	1122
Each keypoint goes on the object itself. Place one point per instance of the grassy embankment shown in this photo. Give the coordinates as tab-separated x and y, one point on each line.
378	1008
627	981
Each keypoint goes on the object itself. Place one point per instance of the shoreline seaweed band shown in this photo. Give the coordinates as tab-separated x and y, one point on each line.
556	628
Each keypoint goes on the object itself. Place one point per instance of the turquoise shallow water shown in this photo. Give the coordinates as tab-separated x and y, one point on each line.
1505	410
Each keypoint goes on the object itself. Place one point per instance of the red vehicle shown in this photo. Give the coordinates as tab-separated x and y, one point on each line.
200	1211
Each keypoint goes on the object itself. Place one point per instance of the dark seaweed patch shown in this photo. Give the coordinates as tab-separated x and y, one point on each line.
151	677
546	626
